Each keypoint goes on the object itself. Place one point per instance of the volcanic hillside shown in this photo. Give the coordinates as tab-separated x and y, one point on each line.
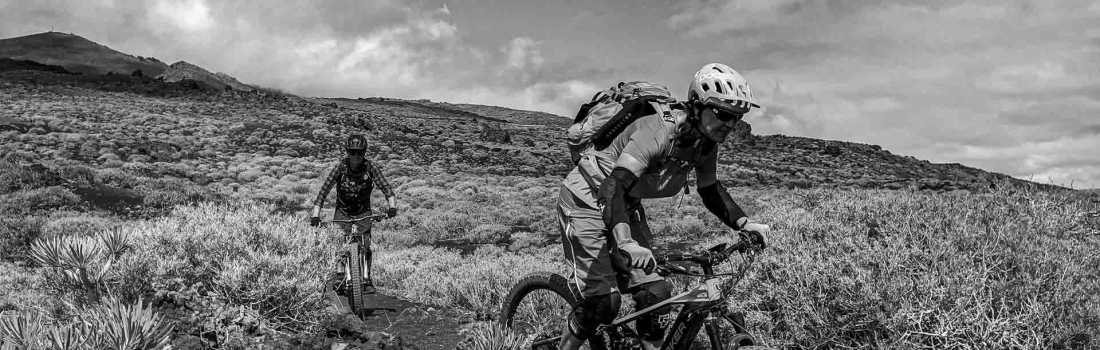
77	54
182	70
453	137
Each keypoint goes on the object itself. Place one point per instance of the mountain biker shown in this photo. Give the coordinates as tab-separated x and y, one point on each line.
600	214
355	178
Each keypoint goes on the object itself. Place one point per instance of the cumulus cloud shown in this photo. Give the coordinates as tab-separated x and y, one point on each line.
944	80
338	48
711	17
1006	86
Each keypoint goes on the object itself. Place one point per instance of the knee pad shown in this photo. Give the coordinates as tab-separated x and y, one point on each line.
593	312
652	326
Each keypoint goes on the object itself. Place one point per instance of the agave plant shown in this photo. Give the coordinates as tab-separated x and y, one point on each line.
122	326
71	337
21	331
116	242
81	262
114	325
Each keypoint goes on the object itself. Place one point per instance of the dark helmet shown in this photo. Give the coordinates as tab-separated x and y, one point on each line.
356	142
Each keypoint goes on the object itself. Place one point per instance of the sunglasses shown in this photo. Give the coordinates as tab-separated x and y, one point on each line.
726	117
356	152
724	110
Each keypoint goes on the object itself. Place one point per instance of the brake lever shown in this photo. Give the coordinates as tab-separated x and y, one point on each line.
665	270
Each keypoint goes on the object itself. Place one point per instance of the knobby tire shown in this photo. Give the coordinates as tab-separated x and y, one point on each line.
547	281
356	299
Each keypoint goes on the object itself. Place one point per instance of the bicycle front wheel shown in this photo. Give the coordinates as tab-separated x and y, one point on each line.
537	308
355	270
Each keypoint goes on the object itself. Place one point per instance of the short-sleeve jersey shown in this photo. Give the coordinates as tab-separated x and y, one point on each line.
650	140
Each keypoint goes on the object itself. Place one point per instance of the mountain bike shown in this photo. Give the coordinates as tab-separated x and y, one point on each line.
538	304
351	264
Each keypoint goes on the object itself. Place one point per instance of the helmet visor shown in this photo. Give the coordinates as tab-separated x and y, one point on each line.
728	106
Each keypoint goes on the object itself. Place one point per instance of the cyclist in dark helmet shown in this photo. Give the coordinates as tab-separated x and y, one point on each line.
355	177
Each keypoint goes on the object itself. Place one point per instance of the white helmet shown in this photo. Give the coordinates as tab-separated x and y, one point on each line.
719	86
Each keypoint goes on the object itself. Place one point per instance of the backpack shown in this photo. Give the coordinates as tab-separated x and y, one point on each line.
599	121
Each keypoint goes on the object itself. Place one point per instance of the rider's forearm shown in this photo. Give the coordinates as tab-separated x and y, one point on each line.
719	203
391	201
316	211
612	195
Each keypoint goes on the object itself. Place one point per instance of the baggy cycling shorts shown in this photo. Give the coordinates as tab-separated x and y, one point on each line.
594	271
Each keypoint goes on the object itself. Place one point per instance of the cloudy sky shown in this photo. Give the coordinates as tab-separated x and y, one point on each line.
1007	86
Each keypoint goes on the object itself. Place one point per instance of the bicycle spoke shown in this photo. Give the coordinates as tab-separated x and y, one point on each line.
540	313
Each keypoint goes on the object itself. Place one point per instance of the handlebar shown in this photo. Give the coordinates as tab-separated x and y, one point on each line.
375	217
714	256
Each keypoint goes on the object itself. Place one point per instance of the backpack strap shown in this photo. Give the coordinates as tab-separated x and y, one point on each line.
598	98
663	109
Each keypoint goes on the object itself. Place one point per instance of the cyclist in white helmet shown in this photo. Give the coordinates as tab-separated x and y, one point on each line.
600	213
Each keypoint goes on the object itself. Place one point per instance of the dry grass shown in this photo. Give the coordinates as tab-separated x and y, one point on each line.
1008	269
846	268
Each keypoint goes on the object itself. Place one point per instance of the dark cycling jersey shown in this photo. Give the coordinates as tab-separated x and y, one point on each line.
353	189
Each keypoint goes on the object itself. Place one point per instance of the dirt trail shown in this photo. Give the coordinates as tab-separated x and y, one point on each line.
424	326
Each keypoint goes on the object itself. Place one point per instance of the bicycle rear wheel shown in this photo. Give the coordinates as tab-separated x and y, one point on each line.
537	307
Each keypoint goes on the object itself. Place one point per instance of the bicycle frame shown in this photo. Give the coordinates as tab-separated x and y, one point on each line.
698	311
699	304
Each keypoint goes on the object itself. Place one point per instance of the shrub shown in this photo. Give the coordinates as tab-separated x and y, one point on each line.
80	226
492	336
27	201
15	178
231	269
489	233
78	175
118	178
171	191
20	288
474	284
943	271
16	235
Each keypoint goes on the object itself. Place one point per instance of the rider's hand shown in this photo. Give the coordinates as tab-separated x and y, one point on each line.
391	212
757	233
640	257
315	221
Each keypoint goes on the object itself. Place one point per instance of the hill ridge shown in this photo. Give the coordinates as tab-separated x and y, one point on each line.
494	139
77	54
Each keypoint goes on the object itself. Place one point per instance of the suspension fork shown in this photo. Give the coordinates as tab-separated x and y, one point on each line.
345	263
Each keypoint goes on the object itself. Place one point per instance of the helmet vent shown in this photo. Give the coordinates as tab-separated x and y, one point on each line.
706	87
717	69
718	87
